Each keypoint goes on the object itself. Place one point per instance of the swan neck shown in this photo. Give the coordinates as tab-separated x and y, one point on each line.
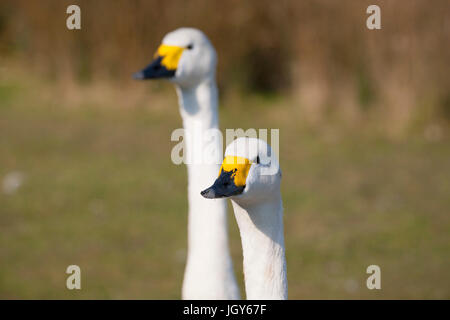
261	229
209	271
199	103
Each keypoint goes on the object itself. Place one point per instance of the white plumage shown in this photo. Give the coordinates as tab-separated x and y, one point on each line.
259	213
187	58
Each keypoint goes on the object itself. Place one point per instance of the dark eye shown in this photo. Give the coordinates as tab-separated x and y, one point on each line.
189	47
257	159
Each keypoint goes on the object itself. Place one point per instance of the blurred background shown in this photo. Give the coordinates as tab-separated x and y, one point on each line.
85	170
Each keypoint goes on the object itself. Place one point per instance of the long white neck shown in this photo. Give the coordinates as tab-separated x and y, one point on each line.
209	269
261	228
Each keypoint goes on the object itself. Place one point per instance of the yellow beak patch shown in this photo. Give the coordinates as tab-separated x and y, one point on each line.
239	166
170	56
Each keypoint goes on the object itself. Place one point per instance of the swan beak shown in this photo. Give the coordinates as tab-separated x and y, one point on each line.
154	70
231	180
224	186
163	66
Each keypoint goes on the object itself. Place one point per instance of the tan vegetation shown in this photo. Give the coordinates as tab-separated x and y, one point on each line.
319	52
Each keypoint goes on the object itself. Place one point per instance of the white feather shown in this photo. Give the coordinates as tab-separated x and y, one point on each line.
259	214
209	270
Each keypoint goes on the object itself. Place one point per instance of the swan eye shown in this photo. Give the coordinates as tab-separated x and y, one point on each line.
257	159
189	47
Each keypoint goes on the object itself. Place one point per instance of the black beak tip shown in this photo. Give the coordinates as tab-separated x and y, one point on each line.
208	193
138	75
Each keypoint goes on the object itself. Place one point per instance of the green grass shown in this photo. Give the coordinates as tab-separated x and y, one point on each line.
101	192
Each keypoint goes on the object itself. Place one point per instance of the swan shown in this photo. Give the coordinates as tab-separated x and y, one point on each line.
187	58
251	179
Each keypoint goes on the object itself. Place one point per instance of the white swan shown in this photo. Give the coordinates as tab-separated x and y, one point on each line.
251	177
187	58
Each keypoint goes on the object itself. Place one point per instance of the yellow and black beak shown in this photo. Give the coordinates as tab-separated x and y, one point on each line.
164	65
232	178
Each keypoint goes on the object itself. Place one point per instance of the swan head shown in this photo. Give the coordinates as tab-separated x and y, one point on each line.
185	57
249	173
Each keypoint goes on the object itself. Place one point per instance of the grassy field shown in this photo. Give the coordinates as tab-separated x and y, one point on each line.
99	190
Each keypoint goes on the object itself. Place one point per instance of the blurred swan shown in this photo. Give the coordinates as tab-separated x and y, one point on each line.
187	58
251	179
